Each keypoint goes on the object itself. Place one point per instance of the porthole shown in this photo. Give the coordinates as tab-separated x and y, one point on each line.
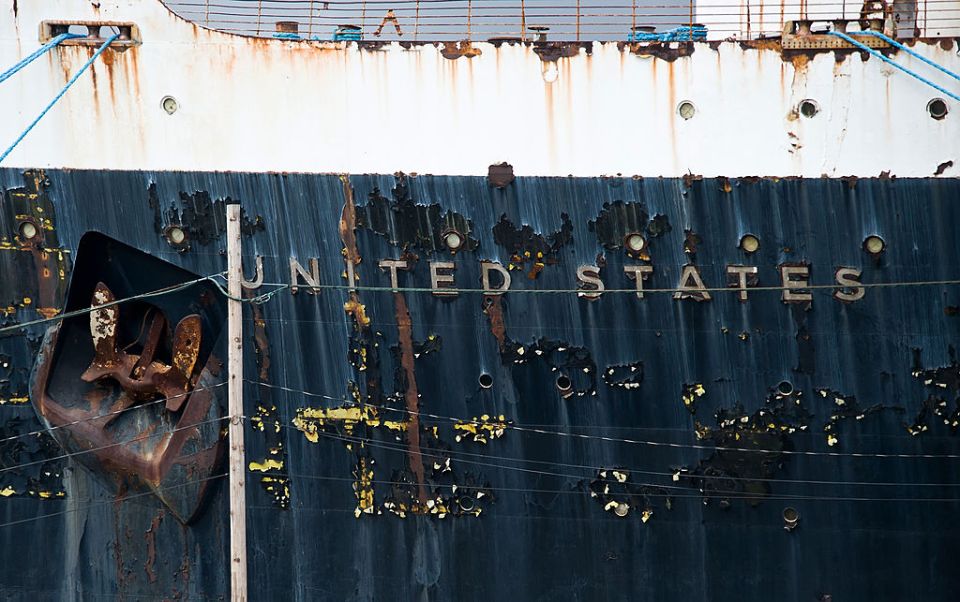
808	108
485	380
453	240
873	244
937	108
686	109
749	243
564	384
785	388
28	231
169	104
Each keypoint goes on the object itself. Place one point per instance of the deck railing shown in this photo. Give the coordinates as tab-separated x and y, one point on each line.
553	20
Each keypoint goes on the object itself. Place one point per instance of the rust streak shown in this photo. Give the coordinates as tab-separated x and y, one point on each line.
493	307
405	327
151	537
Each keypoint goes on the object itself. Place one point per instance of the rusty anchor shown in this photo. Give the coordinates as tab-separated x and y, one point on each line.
141	376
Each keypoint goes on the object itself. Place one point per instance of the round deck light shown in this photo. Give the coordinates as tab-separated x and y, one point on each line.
28	231
749	243
874	245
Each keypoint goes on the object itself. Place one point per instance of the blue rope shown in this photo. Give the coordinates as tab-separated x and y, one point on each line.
892	42
73	79
37	54
866	48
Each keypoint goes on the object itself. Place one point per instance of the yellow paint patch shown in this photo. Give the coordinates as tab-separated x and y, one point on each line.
268	464
7	491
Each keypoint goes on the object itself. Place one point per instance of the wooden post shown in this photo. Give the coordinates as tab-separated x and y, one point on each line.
238	500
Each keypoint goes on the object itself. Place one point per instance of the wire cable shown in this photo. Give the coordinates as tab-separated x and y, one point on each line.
403	449
140	437
617	439
111	501
114	413
46	109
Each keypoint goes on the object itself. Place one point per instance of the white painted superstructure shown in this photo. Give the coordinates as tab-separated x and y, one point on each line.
249	104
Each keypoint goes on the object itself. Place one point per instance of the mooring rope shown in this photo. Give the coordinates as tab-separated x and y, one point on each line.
37	54
880	56
73	79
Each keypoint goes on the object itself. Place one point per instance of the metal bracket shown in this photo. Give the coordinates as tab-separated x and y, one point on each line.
129	32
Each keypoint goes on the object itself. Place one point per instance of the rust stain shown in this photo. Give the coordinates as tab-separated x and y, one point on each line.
493	307
348	223
151	538
405	328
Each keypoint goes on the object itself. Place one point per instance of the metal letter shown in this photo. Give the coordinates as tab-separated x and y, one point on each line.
311	279
741	273
697	290
849	277
485	268
440	281
590	274
393	265
640	273
787	272
257	281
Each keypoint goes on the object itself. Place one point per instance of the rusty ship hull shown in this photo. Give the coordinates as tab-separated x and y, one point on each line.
507	490
540	319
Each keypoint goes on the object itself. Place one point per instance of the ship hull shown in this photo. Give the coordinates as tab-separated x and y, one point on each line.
690	421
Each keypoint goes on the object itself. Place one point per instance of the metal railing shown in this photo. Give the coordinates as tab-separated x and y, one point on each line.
553	20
